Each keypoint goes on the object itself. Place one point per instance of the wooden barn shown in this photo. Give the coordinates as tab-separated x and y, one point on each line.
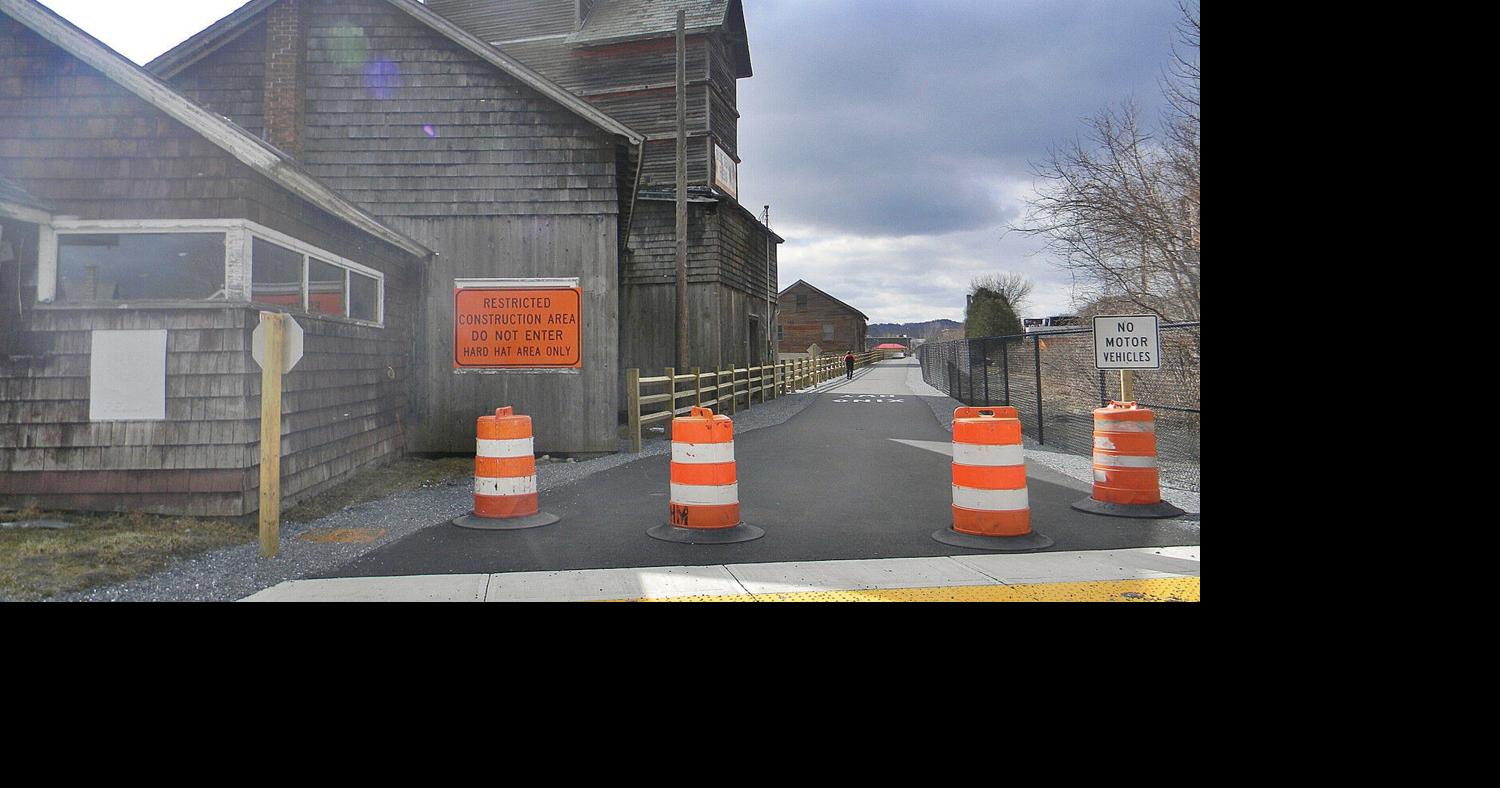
810	316
352	162
620	55
140	235
497	169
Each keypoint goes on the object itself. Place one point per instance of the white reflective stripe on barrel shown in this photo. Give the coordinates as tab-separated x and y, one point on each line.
1117	425
1124	461
515	447
706	494
504	485
988	454
702	453
989	500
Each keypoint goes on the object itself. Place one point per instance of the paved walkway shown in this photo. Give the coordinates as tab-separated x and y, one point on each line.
1136	575
861	474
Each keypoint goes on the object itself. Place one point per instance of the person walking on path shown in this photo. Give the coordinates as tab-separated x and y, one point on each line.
849	365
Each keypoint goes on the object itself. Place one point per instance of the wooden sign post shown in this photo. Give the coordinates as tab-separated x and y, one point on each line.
274	326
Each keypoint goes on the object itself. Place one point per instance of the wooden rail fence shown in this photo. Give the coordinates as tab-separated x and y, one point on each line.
724	389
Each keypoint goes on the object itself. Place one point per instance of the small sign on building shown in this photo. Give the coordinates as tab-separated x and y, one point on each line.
726	173
1127	342
517	324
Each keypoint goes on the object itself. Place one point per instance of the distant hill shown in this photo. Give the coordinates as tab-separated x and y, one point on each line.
928	330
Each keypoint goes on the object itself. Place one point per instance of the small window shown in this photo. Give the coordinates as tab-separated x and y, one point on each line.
325	288
275	274
140	266
364	297
827	331
801	300
780	333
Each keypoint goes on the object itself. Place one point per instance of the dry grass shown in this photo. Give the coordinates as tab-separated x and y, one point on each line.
103	549
38	563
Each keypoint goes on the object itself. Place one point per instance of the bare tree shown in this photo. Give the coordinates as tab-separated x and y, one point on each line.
1121	209
1014	288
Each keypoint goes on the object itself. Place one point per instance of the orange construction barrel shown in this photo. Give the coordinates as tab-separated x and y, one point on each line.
505	492
1126	480
991	510
704	503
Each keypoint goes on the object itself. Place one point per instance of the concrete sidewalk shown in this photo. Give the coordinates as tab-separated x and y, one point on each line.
1133	575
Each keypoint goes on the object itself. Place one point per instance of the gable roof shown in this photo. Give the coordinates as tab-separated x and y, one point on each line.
250	150
230	27
614	21
803	283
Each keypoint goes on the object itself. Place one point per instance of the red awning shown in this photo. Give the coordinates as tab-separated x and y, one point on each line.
890	346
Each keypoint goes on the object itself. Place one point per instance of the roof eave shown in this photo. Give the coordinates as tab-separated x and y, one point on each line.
254	153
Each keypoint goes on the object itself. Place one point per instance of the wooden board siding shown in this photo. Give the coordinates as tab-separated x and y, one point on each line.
570	412
432	130
727	284
649	312
804	326
653	245
238	89
742	253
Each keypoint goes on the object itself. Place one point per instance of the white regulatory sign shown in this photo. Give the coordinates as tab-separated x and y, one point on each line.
1127	342
293	346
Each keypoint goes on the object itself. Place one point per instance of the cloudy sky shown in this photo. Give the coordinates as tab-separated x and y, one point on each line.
893	139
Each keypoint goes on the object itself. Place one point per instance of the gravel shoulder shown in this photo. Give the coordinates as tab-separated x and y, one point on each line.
236	572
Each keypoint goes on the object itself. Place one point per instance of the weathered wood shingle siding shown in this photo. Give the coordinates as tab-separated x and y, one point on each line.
493	21
97	151
74	137
450	134
238	90
504	183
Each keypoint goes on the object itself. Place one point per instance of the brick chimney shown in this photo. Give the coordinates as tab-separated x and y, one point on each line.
286	87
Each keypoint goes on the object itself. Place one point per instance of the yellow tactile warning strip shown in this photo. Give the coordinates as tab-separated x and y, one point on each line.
1168	589
344	535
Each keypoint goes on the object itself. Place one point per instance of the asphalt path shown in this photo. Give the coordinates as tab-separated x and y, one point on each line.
860	473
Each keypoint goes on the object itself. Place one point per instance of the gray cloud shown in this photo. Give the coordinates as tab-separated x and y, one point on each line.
895	118
895	139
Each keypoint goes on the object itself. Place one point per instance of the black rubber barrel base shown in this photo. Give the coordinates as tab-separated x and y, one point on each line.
505	523
1146	510
739	533
999	544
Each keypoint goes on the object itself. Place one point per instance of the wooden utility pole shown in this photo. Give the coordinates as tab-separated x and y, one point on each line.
682	220
274	326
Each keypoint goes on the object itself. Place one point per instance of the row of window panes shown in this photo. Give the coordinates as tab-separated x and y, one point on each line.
190	266
281	276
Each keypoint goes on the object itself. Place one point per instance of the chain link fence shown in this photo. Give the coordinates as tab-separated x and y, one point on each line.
1050	378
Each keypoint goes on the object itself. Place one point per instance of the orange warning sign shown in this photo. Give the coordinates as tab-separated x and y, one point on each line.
507	328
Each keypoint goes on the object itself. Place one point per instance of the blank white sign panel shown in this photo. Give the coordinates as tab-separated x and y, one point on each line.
128	376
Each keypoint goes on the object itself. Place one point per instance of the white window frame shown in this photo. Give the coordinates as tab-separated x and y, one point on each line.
238	262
